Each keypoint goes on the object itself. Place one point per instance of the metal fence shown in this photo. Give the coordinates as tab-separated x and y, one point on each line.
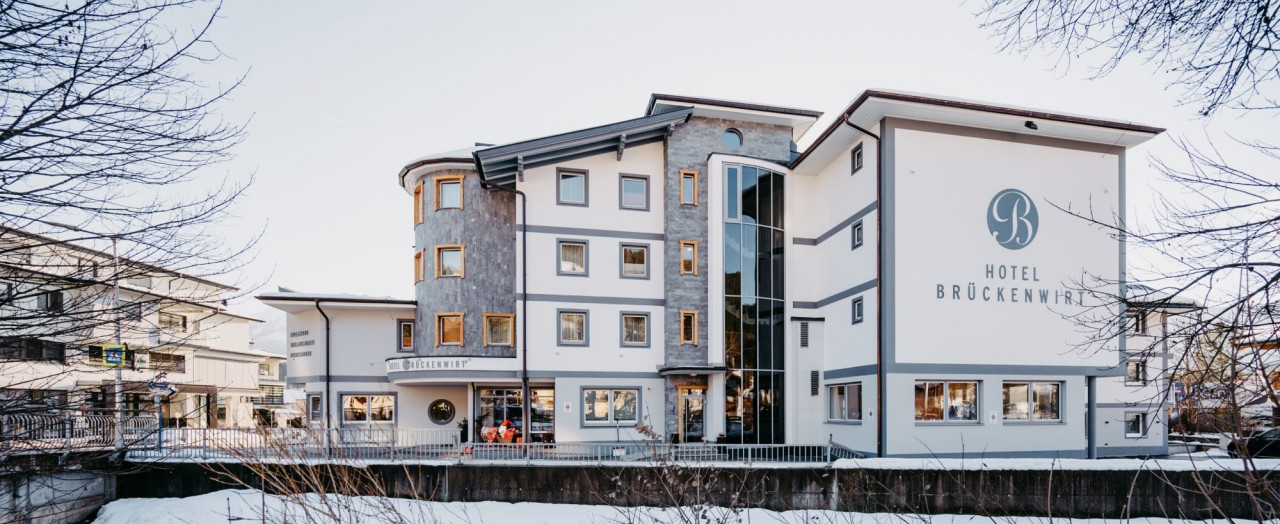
145	441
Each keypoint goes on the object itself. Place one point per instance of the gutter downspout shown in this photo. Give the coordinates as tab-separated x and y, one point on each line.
527	430
880	374
328	408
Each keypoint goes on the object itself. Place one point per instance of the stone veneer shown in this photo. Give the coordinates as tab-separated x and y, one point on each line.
688	148
486	226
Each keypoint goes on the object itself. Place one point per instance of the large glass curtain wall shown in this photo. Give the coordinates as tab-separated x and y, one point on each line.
753	287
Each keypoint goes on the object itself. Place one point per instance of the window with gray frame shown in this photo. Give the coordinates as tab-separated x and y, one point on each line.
572	257
947	401
633	192
1136	372
315	408
856	306
635	261
635	329
571	187
368	409
856	234
610	406
1135	424
1032	401
844	402
573	328
855	159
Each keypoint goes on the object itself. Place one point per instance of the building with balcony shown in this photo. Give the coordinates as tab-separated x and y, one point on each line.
908	284
58	308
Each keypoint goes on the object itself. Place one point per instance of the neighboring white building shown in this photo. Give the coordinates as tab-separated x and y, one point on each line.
904	286
173	323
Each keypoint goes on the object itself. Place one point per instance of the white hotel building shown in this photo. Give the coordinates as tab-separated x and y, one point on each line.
901	287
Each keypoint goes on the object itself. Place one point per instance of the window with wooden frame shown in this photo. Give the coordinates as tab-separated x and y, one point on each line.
418	270
404	330
689	257
448	192
689	327
417	203
449	261
449	329
688	187
499	329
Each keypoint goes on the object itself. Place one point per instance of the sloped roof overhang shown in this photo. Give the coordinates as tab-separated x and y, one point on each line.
500	165
799	120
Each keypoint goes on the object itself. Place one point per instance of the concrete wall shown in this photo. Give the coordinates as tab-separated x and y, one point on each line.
54	498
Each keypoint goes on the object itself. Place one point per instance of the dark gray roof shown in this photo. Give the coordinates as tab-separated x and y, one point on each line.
498	165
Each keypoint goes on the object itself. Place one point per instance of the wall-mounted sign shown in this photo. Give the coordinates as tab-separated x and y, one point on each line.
428	363
113	355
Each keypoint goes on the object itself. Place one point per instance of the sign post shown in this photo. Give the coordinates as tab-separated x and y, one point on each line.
160	388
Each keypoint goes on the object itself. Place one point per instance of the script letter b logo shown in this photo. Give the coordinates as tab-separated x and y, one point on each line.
1012	219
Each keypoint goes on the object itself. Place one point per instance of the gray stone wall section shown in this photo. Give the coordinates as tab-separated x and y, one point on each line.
486	226
688	148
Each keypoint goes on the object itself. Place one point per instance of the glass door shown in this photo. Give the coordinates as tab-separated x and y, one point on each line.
692	421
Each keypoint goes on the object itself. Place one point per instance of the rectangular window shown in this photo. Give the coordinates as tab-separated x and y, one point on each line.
419	269
844	402
49	301
856	159
635	329
449	329
610	406
1135	425
1136	372
688	187
635	261
450	261
1138	323
315	409
573	257
448	192
417	203
264	370
173	323
404	330
856	306
689	327
1032	401
499	329
947	401
131	311
688	257
571	187
168	362
573	328
856	233
368	409
6	292
633	192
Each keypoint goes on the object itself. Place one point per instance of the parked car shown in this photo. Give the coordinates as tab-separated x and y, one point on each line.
1263	444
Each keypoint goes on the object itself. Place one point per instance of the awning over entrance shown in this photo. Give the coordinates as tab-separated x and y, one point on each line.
692	370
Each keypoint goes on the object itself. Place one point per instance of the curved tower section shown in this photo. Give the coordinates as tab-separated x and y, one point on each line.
464	242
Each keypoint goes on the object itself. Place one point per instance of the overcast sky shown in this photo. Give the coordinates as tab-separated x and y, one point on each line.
342	95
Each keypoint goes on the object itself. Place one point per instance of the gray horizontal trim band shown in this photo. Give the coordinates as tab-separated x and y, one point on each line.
1128	451
610	233
836	228
450	373
856	371
1047	453
1135	405
1002	369
584	299
593	374
870	284
338	378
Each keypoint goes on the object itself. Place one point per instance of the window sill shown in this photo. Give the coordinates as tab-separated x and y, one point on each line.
845	422
947	423
1033	422
571	275
575	204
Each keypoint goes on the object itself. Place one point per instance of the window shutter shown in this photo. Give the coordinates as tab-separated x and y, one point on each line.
813	383
804	334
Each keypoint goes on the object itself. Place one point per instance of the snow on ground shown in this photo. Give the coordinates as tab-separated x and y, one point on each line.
231	506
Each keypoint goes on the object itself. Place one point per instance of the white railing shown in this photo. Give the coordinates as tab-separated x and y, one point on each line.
144	440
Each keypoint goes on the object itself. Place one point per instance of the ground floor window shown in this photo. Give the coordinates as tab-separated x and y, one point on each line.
844	402
498	405
315	408
947	401
1135	424
610	406
1032	401
368	409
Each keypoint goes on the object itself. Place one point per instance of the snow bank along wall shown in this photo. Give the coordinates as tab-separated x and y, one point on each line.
1060	493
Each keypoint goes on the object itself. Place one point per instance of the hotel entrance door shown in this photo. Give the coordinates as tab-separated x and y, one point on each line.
691	420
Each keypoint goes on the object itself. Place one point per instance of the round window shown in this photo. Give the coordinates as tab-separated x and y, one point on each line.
441	411
732	139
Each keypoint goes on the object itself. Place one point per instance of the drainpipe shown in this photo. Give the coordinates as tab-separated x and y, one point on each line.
327	350
880	374
524	305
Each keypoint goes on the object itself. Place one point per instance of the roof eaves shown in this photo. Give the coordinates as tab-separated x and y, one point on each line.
653	100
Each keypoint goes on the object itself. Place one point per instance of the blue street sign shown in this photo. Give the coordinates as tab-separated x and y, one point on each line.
113	355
